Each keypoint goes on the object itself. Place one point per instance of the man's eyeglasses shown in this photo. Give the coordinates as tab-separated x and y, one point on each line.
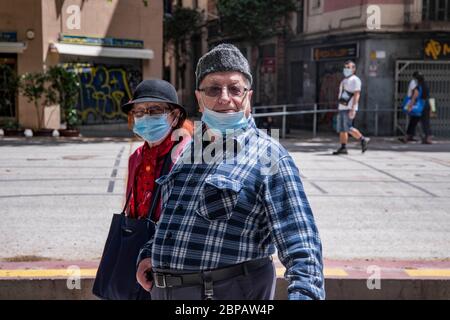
216	91
152	111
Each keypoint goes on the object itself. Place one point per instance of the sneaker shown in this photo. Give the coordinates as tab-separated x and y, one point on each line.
407	139
365	144
341	150
403	140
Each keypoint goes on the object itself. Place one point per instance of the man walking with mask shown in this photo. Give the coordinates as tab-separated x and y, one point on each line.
349	95
223	219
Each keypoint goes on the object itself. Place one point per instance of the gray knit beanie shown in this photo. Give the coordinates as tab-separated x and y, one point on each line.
224	57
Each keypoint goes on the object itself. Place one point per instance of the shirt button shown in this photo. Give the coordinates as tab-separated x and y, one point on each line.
179	208
169	235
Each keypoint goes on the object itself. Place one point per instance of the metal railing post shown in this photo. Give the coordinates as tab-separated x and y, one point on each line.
315	121
376	120
283	126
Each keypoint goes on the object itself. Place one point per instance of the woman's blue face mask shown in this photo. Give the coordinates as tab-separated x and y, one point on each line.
152	128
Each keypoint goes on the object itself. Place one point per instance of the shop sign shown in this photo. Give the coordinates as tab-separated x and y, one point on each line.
268	65
437	49
8	36
104	42
345	51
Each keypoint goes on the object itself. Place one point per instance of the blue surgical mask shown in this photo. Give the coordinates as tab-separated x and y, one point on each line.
224	121
347	72
152	128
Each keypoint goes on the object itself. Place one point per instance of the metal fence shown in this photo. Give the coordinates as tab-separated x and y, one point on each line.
314	109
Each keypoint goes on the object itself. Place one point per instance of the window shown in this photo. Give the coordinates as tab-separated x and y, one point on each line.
296	91
300	15
168	6
436	10
315	7
8	93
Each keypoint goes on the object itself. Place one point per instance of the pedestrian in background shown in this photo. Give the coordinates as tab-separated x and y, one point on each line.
349	95
419	90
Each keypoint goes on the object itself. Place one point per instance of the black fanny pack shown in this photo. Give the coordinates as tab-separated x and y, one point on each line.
345	98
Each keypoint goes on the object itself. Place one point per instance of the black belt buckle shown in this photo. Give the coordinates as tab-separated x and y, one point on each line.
160	280
208	285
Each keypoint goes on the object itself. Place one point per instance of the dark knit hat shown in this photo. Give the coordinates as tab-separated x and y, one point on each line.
224	57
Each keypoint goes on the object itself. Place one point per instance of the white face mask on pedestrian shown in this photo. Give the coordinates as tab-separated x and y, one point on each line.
347	72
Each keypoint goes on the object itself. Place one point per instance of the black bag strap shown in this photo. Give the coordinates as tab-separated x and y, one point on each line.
165	169
128	200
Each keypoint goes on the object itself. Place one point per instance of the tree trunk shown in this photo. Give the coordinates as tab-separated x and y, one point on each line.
177	62
38	114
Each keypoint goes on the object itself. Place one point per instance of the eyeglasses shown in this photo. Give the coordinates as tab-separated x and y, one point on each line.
233	90
152	111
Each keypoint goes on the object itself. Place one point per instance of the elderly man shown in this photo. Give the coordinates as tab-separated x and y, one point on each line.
223	217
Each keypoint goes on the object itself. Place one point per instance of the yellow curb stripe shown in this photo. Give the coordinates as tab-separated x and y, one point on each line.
47	273
335	272
328	272
442	273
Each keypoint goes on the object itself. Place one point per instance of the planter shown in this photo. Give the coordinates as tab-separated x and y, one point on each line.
14	132
69	133
43	133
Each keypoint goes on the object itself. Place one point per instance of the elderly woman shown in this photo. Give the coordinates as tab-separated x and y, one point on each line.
153	114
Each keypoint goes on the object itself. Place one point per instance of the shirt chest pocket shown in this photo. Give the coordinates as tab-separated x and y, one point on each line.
219	198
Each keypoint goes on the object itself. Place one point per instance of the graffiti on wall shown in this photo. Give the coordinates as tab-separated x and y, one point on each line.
103	90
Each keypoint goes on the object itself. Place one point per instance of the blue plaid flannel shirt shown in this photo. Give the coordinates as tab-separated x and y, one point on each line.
238	208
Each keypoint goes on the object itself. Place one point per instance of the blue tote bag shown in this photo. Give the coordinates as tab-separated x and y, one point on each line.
417	108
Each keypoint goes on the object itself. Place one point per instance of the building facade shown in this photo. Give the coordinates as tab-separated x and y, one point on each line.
111	45
181	73
302	64
388	40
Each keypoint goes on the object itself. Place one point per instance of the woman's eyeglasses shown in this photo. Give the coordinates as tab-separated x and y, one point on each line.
233	90
151	111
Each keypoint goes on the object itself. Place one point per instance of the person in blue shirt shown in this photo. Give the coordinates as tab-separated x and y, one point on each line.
232	199
418	89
